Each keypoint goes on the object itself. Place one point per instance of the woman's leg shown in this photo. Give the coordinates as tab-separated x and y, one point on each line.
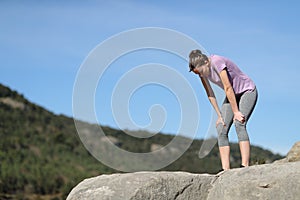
247	103
245	152
223	142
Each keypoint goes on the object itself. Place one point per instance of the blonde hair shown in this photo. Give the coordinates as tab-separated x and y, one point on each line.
197	58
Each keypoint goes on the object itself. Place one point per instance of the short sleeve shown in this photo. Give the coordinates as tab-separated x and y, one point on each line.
220	63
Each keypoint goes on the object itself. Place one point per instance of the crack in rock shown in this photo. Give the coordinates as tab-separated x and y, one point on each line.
183	189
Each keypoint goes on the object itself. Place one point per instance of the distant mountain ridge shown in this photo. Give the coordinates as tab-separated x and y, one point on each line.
41	155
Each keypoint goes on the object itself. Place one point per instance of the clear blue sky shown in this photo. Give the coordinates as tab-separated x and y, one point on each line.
43	44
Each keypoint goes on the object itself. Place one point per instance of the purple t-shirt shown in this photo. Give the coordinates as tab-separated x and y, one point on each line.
240	82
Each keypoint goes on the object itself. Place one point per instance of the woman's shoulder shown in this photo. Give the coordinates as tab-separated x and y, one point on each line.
217	57
221	60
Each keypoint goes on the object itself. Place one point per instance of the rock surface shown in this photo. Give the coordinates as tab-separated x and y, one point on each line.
280	180
270	181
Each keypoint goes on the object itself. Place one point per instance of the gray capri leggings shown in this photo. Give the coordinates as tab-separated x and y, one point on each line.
246	103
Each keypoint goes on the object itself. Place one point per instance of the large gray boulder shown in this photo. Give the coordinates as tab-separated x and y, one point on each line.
269	181
280	180
144	185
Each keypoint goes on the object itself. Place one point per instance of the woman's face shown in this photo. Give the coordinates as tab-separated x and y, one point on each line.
203	70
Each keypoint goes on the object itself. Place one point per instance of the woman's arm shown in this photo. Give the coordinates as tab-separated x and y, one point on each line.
211	95
231	96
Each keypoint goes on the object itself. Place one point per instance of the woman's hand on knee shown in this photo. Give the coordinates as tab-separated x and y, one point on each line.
220	121
239	116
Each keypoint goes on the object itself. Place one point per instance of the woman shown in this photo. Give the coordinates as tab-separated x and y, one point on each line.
241	97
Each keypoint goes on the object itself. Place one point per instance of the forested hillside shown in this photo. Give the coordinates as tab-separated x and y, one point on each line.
42	157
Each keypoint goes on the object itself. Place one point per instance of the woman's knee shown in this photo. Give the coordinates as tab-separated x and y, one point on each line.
239	126
241	130
222	135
